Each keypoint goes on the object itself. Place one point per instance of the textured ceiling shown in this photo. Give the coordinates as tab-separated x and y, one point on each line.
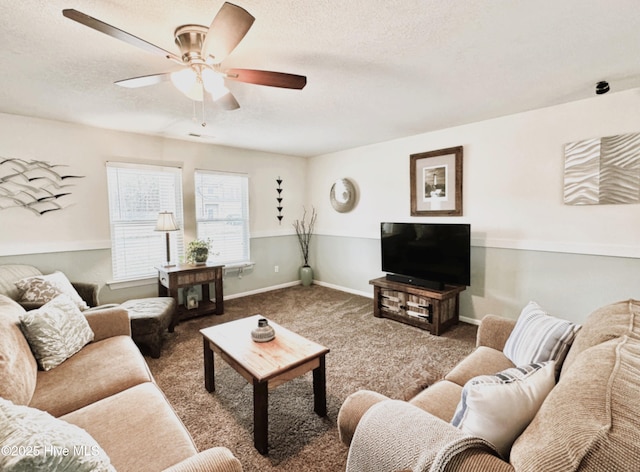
376	69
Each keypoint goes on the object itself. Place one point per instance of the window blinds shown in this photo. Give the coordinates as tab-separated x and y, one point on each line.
222	214
137	193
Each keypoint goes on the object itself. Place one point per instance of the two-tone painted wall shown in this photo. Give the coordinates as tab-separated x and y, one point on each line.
526	243
76	240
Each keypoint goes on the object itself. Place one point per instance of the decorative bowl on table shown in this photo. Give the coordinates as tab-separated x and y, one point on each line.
264	332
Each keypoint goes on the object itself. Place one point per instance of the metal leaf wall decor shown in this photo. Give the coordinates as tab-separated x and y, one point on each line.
603	170
37	186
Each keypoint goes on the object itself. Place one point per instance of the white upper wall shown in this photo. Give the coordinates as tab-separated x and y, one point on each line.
512	185
512	180
85	223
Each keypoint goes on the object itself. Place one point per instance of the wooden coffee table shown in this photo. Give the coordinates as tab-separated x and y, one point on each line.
265	365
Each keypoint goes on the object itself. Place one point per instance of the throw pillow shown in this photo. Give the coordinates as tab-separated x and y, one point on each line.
539	337
32	439
55	331
499	407
44	288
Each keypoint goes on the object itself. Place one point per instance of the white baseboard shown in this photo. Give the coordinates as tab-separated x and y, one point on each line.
344	289
294	283
261	290
472	321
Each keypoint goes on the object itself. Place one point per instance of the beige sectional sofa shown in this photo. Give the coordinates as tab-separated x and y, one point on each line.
590	420
107	390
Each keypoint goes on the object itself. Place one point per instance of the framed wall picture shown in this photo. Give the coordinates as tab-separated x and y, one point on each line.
436	182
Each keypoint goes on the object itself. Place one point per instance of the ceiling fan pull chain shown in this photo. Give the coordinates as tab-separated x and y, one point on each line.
204	121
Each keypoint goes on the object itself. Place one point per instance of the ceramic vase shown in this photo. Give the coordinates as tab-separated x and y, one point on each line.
306	275
264	332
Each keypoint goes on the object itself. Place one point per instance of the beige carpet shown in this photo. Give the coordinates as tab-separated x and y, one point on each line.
366	353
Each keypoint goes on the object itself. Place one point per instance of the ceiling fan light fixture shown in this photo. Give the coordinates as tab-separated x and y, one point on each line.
186	80
219	93
214	83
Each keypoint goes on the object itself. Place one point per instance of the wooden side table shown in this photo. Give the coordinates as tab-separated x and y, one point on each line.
170	279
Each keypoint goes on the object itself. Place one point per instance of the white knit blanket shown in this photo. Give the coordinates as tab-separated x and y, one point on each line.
395	435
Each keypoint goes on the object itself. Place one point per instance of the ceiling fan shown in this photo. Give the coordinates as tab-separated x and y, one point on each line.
202	50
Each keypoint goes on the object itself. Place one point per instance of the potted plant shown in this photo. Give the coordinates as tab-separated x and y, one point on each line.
198	251
304	230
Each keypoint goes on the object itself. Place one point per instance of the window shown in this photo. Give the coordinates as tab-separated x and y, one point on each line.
222	214
137	193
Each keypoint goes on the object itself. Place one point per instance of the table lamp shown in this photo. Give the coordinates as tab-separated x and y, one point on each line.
167	223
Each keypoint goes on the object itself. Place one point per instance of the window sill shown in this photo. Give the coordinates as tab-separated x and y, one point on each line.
121	284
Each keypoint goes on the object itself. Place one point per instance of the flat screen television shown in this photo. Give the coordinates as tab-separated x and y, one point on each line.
429	255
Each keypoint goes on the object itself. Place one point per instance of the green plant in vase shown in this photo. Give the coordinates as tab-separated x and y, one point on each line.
198	251
304	230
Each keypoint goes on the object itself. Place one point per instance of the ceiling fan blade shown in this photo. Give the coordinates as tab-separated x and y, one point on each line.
144	80
269	78
117	33
228	102
227	29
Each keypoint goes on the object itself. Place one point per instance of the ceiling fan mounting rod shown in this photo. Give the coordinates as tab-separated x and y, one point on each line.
198	66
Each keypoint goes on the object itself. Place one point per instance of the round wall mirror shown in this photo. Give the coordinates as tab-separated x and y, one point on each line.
342	195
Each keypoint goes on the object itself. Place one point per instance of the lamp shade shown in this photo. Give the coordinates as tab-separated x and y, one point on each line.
166	222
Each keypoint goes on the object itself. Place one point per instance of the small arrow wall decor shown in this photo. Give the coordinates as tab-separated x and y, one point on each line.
279	199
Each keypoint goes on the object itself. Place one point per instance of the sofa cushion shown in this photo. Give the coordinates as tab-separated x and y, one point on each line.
499	407
56	331
18	368
219	459
100	369
44	288
122	424
482	361
440	399
605	323
589	421
539	337
10	274
31	439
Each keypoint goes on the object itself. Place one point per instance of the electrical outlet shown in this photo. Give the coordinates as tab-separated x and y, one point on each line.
276	269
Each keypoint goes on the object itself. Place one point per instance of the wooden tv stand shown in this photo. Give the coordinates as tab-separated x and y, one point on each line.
434	310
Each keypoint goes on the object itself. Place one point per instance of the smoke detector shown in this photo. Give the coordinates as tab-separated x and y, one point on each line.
602	87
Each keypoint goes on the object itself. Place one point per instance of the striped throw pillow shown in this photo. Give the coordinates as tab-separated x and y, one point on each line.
498	408
539	337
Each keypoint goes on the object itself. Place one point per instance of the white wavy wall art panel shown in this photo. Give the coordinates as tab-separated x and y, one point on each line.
36	186
603	170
